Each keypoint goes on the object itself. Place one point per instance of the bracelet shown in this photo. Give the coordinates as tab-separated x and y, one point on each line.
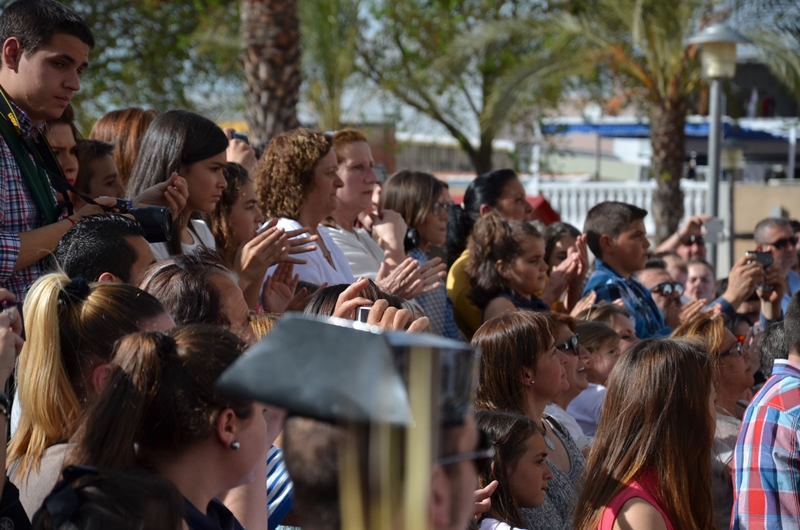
4	405
71	220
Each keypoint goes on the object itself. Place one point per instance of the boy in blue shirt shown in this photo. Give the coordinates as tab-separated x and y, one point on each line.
616	235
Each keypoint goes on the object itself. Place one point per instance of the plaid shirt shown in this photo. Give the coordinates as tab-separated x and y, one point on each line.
767	456
437	306
18	213
610	286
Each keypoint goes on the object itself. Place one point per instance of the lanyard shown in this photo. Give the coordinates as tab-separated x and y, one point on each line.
41	151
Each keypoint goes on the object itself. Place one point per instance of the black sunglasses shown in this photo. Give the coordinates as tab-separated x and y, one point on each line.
691	240
783	243
571	345
667	288
482	456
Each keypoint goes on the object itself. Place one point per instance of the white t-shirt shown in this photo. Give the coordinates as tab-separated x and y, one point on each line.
494	524
566	420
586	408
202	238
317	270
363	253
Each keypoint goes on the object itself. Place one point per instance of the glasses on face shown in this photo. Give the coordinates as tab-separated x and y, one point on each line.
784	242
736	350
439	207
481	456
570	346
692	240
668	288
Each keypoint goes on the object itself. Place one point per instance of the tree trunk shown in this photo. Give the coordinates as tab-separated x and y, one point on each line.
668	139
482	158
271	36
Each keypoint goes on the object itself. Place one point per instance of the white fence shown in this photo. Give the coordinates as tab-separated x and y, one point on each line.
573	200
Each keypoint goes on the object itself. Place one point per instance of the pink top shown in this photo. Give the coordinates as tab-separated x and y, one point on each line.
641	488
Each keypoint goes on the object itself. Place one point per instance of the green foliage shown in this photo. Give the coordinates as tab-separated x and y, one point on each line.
154	53
404	50
328	31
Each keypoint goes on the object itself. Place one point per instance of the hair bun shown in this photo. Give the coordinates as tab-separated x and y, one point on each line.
165	346
75	291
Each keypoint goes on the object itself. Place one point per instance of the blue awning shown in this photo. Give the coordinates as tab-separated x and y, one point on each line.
642	130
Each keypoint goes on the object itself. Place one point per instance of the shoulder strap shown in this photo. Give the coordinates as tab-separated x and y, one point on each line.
36	178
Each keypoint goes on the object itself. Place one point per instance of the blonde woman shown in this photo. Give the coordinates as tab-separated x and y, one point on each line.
72	327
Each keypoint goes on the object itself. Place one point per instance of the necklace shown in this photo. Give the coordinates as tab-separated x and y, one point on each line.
325	253
723	410
549	443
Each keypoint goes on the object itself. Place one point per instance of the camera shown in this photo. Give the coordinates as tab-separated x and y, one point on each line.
242	137
156	221
411	241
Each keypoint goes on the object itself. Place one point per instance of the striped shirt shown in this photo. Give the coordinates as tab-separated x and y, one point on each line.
767	455
279	488
436	305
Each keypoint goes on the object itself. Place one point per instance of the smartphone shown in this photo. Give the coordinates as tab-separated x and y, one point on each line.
362	313
762	258
243	137
714	229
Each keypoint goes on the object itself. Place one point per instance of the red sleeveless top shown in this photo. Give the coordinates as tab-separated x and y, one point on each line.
643	488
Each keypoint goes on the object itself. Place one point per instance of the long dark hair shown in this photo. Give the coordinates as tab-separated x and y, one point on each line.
509	342
485	189
510	433
657	388
160	396
236	176
175	138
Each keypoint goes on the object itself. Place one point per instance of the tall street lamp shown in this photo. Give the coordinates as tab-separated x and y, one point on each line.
718	57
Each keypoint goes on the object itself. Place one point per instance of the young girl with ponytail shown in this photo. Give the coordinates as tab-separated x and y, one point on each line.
71	329
519	466
160	411
506	266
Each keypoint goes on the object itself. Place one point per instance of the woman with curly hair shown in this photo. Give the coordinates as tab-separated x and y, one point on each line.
296	181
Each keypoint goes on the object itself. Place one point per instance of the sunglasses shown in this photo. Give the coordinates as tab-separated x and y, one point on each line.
439	207
667	288
571	345
783	243
736	350
482	456
692	240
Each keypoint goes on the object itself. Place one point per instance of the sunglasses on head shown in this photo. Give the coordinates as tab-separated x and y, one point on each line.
571	345
783	243
667	288
692	240
482	455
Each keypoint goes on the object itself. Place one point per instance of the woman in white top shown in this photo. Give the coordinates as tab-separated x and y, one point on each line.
383	260
296	181
567	340
184	143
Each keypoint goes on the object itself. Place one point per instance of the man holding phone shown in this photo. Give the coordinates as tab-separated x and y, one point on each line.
775	235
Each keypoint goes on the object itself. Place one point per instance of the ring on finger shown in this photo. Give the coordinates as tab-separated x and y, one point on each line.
10	315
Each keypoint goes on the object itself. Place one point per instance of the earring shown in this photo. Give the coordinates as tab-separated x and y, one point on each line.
531	381
235	445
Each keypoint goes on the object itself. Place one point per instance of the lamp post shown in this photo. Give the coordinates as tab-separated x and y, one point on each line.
718	58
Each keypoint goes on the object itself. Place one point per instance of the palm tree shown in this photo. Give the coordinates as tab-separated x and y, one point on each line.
640	44
270	33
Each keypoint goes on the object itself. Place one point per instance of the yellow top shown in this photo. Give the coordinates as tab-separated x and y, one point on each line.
467	315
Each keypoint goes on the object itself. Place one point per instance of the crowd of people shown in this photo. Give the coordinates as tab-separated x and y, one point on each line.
634	390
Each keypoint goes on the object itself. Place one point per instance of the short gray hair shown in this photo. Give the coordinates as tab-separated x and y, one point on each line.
759	234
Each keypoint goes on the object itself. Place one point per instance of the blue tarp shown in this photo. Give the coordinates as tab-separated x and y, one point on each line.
642	130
